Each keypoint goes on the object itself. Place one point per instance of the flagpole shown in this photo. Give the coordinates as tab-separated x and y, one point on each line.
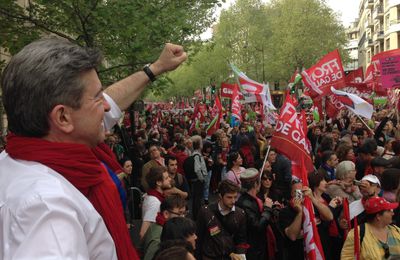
324	112
265	160
365	124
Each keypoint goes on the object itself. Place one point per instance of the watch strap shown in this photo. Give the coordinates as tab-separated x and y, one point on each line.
149	73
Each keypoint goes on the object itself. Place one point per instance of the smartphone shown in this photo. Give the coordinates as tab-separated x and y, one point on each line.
357	183
299	194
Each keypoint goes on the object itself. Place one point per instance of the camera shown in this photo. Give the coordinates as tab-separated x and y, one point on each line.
299	194
357	183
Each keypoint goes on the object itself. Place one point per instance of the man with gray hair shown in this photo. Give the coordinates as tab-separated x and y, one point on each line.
200	170
58	200
344	186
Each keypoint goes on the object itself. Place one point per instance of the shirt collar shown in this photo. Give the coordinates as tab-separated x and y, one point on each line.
224	212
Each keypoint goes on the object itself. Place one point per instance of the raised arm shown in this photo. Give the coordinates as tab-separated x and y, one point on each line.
125	91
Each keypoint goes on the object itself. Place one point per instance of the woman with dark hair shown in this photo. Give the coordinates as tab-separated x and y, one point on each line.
345	152
327	144
207	152
180	228
328	230
234	168
390	181
380	239
220	162
267	189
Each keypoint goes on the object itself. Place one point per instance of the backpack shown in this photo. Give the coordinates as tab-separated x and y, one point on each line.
188	168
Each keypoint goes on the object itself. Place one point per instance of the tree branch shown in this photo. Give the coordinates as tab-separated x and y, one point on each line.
36	23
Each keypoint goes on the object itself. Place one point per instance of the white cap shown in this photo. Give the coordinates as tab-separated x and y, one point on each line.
371	178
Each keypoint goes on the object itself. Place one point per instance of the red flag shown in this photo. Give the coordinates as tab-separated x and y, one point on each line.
355	76
236	105
326	73
216	114
346	216
312	243
289	137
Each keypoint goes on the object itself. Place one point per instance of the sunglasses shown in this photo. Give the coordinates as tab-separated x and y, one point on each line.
178	213
386	249
296	180
266	178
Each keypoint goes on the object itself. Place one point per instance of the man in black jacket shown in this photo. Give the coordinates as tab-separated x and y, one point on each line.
258	214
221	227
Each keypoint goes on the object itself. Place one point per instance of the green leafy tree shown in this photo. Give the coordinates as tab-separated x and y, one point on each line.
266	41
302	31
130	33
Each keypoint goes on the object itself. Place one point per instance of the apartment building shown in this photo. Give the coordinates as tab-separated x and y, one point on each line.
379	28
352	33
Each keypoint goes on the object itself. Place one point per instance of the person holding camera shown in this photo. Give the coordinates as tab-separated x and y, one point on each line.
290	219
328	230
344	185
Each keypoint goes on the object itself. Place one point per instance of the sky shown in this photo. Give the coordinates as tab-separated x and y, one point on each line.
346	9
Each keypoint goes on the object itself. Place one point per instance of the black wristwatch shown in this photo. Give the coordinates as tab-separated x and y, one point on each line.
149	73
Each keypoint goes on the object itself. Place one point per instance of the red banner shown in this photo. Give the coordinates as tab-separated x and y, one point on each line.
355	76
333	106
227	90
326	73
289	137
236	105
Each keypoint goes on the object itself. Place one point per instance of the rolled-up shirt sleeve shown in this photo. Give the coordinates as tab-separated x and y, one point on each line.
111	117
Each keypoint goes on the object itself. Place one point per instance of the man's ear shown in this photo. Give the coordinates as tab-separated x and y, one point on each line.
60	119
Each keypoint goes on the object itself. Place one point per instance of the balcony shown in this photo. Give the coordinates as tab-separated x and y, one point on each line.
378	12
369	42
379	36
369	4
393	26
392	3
369	23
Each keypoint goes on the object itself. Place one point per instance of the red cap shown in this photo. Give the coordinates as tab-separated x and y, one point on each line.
377	204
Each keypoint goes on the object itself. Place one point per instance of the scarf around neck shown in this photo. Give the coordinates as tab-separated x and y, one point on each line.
81	166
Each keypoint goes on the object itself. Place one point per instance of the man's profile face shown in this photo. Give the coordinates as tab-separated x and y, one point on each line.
272	156
87	121
333	161
172	166
154	152
175	212
166	181
229	199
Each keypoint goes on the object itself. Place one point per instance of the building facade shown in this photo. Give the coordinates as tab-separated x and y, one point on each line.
379	28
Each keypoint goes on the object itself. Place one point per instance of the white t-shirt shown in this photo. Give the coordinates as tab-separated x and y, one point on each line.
150	208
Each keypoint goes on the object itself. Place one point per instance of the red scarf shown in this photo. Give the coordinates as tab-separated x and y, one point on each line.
160	219
157	194
82	167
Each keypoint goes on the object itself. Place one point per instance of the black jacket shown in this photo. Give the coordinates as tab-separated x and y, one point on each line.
219	235
257	223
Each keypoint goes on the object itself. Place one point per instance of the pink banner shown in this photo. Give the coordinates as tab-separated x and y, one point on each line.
390	71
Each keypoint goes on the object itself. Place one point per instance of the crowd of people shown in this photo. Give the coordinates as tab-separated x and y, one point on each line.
75	192
240	211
